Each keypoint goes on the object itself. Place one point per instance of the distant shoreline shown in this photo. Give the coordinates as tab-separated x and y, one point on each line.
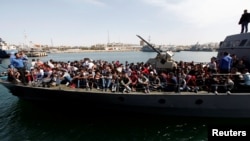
81	51
128	50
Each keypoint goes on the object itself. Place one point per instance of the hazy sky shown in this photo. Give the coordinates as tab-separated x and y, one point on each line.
87	22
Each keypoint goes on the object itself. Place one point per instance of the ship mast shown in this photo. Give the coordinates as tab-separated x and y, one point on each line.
51	41
25	41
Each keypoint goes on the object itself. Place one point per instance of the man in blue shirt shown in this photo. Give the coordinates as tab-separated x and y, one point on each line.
18	63
225	63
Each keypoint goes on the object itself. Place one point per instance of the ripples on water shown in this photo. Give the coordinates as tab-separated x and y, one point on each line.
23	121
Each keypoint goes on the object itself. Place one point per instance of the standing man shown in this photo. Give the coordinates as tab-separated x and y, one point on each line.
18	63
225	63
244	20
24	57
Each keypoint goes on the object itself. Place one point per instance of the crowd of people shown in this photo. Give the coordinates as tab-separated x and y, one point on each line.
227	73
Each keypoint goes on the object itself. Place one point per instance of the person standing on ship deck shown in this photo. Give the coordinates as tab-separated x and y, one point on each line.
225	63
25	59
18	63
244	20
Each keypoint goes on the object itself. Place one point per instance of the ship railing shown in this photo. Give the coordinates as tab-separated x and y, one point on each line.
230	82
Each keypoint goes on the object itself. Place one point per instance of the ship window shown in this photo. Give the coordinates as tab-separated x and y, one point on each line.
228	44
236	43
248	44
243	42
221	44
224	44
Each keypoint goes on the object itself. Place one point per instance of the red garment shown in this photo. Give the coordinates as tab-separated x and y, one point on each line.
191	80
29	77
134	79
145	71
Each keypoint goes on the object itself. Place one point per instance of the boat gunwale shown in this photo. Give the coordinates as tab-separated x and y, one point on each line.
65	88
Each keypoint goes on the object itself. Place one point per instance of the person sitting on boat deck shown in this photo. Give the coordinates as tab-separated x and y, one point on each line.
18	63
183	82
106	78
191	78
13	75
85	62
200	76
229	85
54	77
155	82
38	62
164	79
115	81
37	75
33	63
225	63
33	72
127	69
50	64
143	82
66	78
240	66
244	20
222	83
40	73
28	76
91	78
171	83
150	77
81	79
125	82
214	82
97	79
235	60
90	64
47	70
212	65
236	77
134	80
73	68
246	77
145	70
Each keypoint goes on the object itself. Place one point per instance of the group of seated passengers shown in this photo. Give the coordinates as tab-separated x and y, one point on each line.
131	77
122	81
105	77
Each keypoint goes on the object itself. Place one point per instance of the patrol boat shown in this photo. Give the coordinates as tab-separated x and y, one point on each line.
200	104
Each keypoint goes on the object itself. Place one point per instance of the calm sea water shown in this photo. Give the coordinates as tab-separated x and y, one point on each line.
24	121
